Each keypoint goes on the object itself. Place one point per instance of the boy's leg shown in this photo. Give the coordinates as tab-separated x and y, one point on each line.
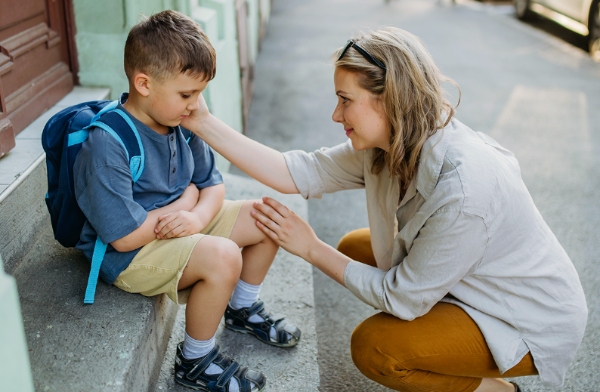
258	250
245	312
204	270
212	272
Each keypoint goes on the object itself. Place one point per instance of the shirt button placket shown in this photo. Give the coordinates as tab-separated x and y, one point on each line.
173	148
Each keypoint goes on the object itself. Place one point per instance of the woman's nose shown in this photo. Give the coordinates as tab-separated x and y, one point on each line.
337	114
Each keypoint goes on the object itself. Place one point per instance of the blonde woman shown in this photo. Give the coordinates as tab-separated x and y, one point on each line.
471	283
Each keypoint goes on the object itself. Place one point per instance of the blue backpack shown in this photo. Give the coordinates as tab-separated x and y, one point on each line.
62	137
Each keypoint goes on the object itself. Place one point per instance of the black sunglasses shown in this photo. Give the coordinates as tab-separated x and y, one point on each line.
364	53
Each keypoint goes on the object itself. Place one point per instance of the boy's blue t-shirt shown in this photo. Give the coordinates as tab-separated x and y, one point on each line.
113	205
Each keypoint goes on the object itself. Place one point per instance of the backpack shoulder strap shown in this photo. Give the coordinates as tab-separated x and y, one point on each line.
118	124
187	134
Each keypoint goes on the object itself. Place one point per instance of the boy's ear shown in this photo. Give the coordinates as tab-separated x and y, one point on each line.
141	82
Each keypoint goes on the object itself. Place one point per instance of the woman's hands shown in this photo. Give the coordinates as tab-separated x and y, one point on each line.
286	228
296	236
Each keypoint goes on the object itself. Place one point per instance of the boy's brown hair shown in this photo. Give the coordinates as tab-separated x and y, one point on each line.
169	43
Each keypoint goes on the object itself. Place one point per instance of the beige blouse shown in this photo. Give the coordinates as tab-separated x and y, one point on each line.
466	232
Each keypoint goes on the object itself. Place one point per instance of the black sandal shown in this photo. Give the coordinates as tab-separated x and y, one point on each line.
192	373
288	335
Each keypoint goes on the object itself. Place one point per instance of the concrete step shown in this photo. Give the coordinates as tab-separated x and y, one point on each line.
288	290
119	343
116	344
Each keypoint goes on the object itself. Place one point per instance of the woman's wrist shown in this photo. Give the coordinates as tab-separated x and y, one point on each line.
315	252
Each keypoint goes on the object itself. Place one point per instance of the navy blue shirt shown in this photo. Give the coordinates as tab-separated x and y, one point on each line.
113	205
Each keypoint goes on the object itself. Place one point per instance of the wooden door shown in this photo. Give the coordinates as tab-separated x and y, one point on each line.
37	61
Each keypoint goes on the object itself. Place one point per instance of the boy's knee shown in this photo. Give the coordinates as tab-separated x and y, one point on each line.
218	258
227	259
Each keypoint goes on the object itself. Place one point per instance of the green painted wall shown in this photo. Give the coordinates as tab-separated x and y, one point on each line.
15	372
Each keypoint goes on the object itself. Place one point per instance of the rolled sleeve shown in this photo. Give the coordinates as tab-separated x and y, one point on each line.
448	246
326	170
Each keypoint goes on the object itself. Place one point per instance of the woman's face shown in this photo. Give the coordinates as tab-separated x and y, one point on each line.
361	114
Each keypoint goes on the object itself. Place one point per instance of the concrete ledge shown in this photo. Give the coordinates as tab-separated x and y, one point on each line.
23	182
288	290
22	213
116	344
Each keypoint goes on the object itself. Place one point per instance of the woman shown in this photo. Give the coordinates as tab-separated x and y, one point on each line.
471	282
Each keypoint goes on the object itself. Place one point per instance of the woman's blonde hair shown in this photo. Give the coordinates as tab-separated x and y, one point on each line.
411	90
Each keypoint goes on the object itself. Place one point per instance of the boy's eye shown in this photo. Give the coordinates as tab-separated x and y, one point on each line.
185	96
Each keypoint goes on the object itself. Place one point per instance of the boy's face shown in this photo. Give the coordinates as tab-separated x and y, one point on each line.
171	100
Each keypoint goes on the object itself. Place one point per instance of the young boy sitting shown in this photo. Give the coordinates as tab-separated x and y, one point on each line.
171	231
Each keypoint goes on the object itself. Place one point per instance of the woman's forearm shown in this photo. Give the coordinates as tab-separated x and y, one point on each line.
329	260
257	160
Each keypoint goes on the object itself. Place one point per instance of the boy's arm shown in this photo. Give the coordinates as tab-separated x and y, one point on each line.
183	223
145	234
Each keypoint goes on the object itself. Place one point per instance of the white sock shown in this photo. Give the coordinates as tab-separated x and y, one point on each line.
193	349
244	295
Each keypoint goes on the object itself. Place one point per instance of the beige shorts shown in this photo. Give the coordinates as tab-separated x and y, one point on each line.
158	266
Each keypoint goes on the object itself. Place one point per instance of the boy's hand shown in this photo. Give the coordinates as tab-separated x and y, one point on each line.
178	224
197	115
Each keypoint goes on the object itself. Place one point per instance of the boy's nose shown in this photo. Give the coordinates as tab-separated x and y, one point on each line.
193	105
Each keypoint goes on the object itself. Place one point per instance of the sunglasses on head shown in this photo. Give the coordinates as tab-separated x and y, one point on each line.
364	53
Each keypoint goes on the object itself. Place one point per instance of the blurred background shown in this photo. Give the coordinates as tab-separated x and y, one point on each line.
529	76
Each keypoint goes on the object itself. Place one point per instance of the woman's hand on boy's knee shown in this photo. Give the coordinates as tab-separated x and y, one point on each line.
284	227
178	224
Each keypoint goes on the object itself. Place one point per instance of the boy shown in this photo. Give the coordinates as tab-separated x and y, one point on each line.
172	232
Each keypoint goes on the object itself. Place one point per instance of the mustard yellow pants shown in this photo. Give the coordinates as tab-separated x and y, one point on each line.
443	350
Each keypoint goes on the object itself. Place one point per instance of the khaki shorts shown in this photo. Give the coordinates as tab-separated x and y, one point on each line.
158	266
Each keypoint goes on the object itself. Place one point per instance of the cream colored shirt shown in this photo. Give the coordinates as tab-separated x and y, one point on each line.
466	232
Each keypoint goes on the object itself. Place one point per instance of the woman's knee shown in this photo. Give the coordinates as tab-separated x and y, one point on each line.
357	245
364	345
